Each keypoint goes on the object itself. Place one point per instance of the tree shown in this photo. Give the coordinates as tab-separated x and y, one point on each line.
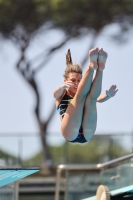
89	17
21	20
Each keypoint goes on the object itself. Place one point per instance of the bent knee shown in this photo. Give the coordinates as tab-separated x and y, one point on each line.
68	133
88	134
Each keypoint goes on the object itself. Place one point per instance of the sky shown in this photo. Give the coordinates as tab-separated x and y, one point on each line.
17	100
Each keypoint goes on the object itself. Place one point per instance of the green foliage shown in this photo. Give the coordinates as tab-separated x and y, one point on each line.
6	155
29	15
35	160
74	15
8	158
96	151
70	16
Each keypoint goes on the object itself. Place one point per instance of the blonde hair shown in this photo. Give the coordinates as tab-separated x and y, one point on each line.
70	67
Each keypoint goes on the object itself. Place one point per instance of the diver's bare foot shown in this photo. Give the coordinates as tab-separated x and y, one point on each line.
93	56
102	57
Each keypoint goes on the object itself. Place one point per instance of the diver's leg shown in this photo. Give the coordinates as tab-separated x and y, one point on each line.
90	110
73	117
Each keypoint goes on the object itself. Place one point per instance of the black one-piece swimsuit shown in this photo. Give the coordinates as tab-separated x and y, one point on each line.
62	109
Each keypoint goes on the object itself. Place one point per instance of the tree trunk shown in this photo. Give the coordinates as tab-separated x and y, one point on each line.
29	77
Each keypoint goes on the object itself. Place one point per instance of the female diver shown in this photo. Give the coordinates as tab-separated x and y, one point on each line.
76	98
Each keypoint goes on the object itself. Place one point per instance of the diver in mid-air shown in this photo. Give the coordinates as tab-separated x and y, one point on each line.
76	98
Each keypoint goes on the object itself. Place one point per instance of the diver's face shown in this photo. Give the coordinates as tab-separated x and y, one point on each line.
75	78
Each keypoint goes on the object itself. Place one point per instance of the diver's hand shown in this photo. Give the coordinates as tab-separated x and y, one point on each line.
67	84
111	92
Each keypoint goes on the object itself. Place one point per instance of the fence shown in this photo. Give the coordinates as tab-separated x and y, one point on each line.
21	148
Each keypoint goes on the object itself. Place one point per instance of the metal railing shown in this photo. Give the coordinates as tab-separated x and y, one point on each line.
97	167
111	146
